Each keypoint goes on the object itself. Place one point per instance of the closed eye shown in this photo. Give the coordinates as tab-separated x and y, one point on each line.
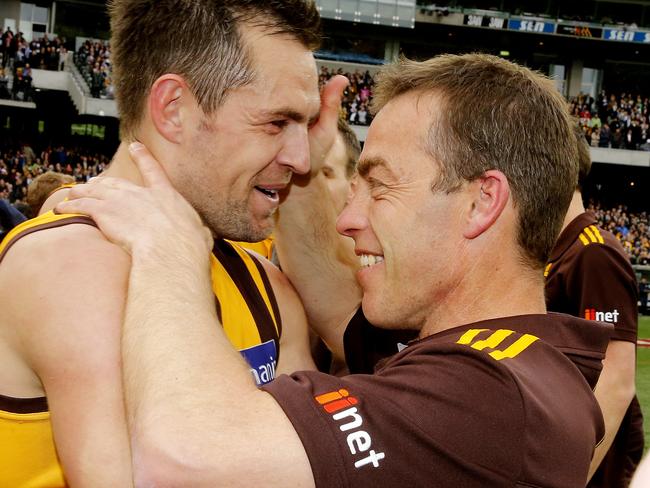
280	124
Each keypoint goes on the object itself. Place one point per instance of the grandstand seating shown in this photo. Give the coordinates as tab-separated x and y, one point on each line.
614	121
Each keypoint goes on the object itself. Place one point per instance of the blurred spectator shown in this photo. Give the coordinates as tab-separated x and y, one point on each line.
19	166
10	217
632	229
4	84
356	97
42	187
94	62
614	121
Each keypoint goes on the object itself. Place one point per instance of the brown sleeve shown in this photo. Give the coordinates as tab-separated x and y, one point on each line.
603	280
427	421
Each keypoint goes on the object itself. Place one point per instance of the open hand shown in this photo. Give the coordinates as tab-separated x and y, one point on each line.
323	133
153	217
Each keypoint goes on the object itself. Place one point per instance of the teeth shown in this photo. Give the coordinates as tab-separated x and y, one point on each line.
368	260
266	191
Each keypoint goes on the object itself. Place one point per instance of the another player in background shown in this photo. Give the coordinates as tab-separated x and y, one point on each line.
230	105
42	187
589	275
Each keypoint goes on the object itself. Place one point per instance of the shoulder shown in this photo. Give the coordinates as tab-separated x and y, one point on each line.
281	285
54	198
63	271
598	252
74	247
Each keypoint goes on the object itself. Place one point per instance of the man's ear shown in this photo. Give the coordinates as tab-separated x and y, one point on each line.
168	94
489	196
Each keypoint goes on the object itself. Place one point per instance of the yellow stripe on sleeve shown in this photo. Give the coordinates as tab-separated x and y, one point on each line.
547	270
469	336
590	235
597	233
584	240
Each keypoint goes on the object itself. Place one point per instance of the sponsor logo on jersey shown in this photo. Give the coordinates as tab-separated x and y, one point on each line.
262	360
593	314
341	405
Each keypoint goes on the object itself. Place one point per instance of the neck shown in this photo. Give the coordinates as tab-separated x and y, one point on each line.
508	288
576	207
122	166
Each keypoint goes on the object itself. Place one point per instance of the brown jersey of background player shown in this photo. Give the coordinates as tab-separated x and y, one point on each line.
589	276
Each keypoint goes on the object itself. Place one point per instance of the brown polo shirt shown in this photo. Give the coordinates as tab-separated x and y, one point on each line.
491	404
590	276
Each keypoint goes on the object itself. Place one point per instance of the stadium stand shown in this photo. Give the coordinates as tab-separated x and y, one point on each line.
93	59
20	165
356	98
619	122
20	56
632	229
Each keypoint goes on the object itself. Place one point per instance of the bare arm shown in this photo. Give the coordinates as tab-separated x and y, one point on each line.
71	303
319	262
294	342
614	392
642	476
212	432
195	416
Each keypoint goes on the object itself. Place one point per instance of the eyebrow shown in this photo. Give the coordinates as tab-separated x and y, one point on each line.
289	113
365	165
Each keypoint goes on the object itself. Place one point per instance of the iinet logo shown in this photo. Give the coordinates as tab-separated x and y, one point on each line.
340	404
593	314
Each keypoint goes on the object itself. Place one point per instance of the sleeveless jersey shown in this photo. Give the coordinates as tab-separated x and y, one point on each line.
246	306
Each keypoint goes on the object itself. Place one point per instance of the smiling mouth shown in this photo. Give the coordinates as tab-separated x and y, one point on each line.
272	194
368	260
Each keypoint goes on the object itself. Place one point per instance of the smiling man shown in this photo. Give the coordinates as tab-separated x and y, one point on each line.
453	214
229	104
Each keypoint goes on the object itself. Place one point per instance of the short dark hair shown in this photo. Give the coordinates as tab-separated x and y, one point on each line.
495	114
352	147
207	51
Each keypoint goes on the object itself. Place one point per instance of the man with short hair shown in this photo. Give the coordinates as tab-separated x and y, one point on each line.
589	275
230	106
455	209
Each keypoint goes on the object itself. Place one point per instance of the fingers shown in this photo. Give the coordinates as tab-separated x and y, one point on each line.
331	99
150	169
81	205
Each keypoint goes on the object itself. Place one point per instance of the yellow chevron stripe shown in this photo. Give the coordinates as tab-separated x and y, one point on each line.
584	240
597	233
493	341
469	336
515	348
590	235
547	269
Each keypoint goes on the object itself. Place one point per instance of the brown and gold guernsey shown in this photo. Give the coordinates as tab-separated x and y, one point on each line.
590	276
246	306
496	403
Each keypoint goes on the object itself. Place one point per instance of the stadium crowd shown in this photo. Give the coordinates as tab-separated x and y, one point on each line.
356	98
632	229
20	165
94	62
619	122
20	56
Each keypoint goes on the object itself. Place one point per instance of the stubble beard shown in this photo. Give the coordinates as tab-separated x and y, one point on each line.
233	221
